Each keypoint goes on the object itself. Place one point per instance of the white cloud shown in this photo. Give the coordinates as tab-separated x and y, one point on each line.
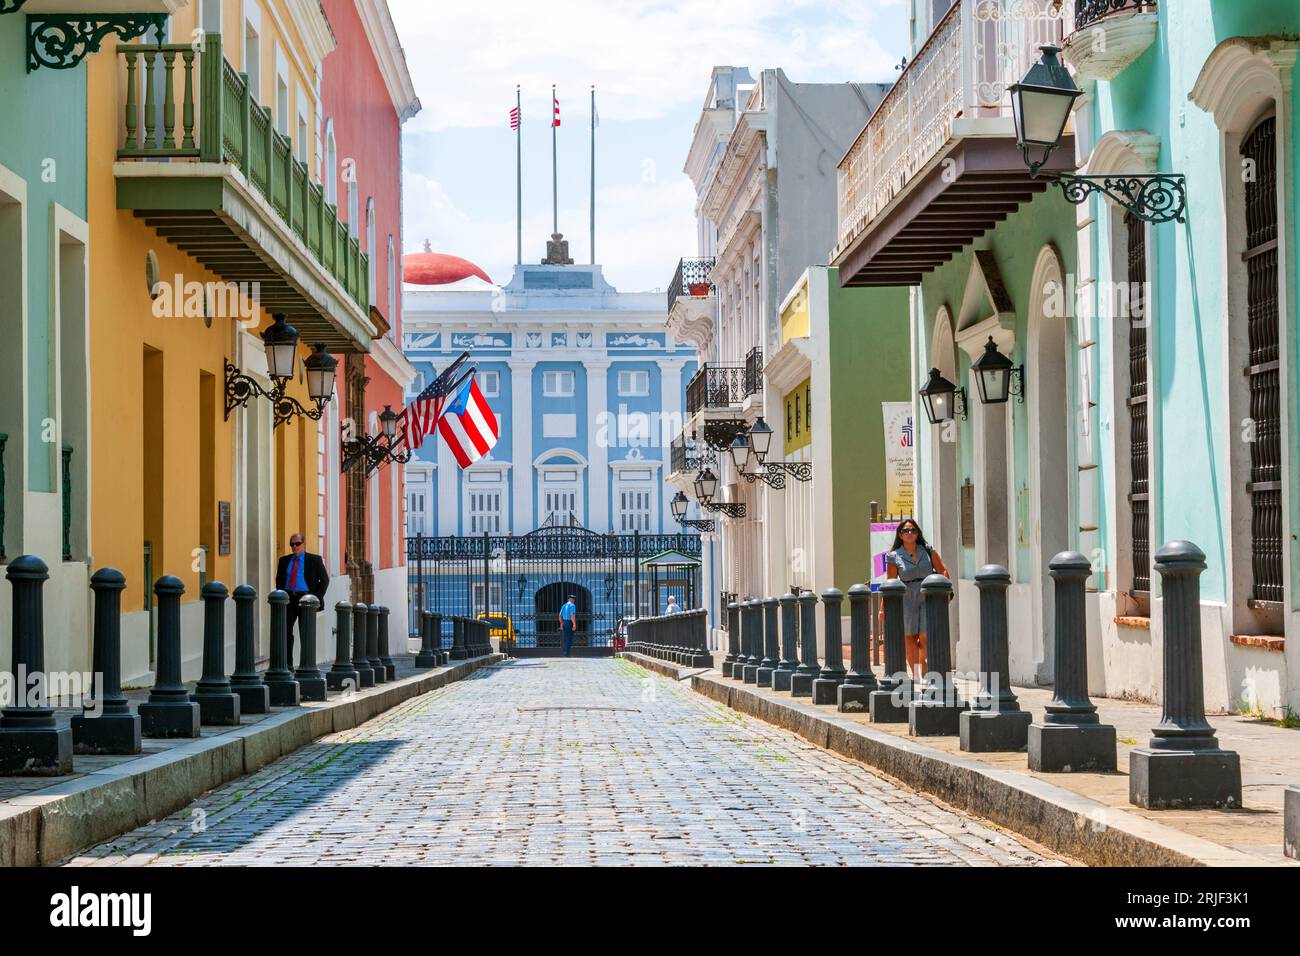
646	58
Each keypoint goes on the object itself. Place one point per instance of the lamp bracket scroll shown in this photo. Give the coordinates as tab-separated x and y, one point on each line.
1154	198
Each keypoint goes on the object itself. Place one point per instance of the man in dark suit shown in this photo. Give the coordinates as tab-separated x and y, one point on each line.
300	573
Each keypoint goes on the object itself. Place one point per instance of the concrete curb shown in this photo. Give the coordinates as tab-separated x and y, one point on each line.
1059	819
56	822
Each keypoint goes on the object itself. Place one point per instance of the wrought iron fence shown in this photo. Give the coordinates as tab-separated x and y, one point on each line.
715	386
754	371
1088	12
691	278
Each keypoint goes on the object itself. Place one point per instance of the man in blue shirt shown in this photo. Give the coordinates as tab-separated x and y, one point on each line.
568	618
300	572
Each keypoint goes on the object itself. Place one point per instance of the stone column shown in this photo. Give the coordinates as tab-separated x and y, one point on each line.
771	652
342	675
106	725
1070	736
1183	766
254	698
31	742
802	680
218	704
889	704
598	481
521	440
995	721
284	690
854	694
937	710
827	685
789	638
360	659
670	426
168	712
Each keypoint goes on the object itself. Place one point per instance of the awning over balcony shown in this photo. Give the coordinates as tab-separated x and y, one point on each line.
976	185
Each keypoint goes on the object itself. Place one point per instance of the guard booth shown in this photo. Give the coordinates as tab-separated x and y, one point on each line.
526	579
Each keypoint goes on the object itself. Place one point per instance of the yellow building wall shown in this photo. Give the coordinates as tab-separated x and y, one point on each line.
128	459
794	317
797	428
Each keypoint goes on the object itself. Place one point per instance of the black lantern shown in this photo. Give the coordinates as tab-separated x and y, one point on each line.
941	399
523	585
679	504
994	374
281	342
706	484
1041	105
321	368
388	422
760	439
740	452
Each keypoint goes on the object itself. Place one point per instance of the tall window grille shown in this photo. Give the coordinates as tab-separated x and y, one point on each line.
1258	149
1139	435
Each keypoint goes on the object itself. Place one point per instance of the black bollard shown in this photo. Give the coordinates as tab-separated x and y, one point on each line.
168	712
385	647
438	650
342	675
995	722
254	696
742	641
771	651
427	656
1183	766
372	645
889	704
753	613
458	649
31	743
826	686
1070	736
308	675
936	709
789	659
733	638
107	725
284	690
854	695
360	630
801	681
218	704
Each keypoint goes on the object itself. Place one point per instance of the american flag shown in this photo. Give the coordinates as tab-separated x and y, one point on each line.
422	414
514	117
468	425
556	121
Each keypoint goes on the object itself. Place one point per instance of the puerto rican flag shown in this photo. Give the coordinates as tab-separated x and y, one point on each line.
468	425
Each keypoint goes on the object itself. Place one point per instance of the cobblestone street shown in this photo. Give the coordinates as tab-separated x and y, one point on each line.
563	762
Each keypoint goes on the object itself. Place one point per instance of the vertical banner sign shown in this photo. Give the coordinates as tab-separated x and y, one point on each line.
899	444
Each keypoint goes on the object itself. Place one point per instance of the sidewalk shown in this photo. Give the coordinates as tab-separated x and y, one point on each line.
1085	815
43	819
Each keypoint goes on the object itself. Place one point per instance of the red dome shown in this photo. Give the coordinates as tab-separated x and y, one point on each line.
438	268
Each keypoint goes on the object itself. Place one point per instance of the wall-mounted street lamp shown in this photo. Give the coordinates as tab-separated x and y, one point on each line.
281	343
523	586
706	486
996	378
942	400
679	504
375	450
755	444
1041	104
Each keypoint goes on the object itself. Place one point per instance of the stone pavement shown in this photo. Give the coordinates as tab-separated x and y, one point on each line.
564	762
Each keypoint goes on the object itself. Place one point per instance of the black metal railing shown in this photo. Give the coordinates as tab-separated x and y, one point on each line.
689	454
754	371
715	386
691	278
1088	12
681	637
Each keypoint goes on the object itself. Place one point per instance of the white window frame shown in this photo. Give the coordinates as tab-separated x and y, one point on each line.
392	288
553	380
370	244
283	91
489	382
560	480
252	53
630	378
495	594
331	171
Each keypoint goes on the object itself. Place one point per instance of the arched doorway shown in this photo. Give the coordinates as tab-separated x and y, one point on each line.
546	606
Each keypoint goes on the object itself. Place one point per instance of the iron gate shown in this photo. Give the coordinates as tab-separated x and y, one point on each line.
528	577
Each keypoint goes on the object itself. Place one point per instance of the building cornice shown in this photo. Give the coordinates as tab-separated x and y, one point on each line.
314	28
392	361
387	47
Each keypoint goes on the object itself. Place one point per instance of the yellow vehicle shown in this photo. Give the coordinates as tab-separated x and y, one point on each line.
499	626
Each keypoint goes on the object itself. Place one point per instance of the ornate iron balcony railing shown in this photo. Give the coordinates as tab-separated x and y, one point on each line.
690	455
691	278
754	371
1088	12
715	386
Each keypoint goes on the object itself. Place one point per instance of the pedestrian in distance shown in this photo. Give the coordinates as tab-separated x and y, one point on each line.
910	560
673	606
568	618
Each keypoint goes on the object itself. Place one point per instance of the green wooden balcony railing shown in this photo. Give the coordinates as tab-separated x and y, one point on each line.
220	122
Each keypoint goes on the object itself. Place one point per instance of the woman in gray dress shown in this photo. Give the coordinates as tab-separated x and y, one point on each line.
910	560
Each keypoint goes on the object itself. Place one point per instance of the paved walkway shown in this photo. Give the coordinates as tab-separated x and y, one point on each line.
564	762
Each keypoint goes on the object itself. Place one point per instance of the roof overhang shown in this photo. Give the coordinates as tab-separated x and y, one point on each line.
965	192
208	211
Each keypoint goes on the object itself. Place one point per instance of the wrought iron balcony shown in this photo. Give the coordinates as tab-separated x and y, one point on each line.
1088	12
691	278
1109	35
715	386
687	455
960	75
754	371
198	154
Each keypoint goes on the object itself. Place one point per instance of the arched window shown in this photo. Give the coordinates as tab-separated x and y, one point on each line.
370	243
331	173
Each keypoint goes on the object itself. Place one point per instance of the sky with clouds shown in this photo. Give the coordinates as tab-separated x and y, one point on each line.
650	61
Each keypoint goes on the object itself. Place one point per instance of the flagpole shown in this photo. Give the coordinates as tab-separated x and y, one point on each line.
593	174
555	182
519	181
